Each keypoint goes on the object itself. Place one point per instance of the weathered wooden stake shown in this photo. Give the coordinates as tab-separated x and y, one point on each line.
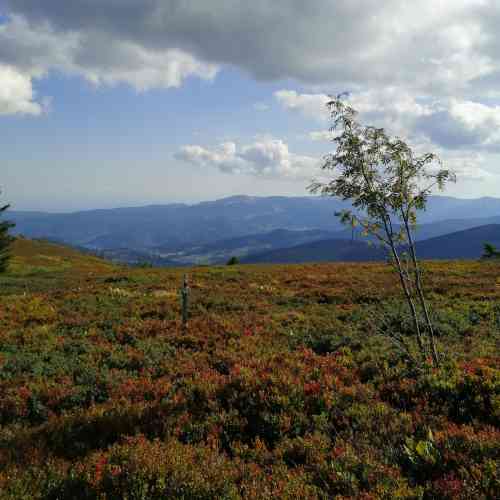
185	303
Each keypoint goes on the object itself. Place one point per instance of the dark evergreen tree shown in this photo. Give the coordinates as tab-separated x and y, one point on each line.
5	240
490	252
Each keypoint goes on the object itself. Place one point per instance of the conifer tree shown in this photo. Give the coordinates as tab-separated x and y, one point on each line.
5	239
490	252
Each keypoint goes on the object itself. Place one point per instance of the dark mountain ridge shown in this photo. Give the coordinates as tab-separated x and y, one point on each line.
466	244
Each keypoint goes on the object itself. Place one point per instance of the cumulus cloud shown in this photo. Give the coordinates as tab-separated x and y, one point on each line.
143	69
426	47
468	166
311	105
425	43
389	107
451	123
30	50
264	158
16	93
388	102
472	173
461	124
464	133
320	135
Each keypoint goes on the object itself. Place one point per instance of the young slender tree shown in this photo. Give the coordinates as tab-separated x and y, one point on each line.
5	240
387	184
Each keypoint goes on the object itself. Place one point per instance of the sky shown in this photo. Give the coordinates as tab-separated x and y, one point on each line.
108	103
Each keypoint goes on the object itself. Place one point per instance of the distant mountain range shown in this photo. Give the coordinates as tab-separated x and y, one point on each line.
243	226
173	227
466	244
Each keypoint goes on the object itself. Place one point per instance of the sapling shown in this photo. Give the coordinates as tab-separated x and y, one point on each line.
387	184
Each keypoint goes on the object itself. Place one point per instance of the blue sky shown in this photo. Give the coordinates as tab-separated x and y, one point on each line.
106	104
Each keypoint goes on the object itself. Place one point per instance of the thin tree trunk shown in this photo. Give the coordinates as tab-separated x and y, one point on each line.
420	291
407	292
390	236
409	299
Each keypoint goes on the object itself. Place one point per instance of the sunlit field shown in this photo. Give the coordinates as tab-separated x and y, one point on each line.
282	385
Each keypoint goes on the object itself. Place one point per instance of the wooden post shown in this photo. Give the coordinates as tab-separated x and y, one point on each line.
185	303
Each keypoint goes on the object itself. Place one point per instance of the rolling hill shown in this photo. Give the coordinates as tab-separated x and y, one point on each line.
332	250
466	244
40	256
460	245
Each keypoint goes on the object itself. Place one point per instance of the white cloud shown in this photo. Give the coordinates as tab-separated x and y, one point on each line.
393	100
425	44
310	105
478	119
144	69
462	125
451	123
266	157
468	166
465	134
16	93
31	50
320	135
472	173
396	103
411	50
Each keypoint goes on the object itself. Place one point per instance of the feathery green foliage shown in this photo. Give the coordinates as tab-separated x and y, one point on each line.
387	185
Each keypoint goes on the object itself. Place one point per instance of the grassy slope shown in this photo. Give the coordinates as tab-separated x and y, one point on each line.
32	256
38	265
279	389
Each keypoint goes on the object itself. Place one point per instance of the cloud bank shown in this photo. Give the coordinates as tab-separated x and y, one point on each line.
31	49
264	158
426	47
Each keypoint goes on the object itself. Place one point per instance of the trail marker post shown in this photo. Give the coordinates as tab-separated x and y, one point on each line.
185	303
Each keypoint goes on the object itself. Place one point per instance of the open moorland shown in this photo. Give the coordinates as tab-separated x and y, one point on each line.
282	386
